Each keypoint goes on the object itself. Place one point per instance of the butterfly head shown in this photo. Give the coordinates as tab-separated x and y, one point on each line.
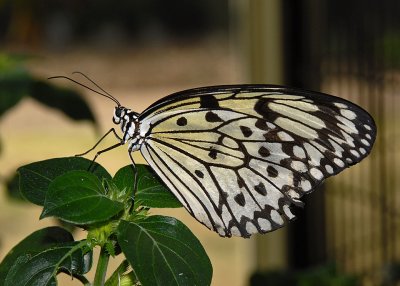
119	114
123	115
128	120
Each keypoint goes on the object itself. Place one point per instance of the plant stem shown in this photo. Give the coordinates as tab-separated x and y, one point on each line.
101	269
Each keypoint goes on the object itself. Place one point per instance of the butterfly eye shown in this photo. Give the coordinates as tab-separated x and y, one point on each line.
118	112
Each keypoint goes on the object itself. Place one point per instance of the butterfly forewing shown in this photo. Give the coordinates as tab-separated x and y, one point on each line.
237	157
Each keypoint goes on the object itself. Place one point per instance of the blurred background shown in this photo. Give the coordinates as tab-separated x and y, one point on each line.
140	51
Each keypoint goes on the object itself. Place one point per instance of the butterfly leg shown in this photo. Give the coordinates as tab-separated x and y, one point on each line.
135	175
98	142
135	172
103	151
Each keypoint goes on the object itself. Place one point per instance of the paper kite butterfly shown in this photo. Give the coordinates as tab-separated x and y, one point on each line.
238	156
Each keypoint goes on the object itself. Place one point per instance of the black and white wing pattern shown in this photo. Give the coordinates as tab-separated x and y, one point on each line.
237	157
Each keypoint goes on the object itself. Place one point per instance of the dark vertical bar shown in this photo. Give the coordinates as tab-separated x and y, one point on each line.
341	59
391	15
293	45
303	29
332	57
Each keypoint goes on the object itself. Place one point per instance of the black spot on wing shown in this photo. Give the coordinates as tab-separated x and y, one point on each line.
261	107
246	131
213	154
239	198
213	117
182	121
208	101
260	188
199	173
264	152
272	172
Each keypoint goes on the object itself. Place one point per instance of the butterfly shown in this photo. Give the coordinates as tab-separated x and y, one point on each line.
239	156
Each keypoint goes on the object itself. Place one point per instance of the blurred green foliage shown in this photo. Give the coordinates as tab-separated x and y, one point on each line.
327	275
391	49
16	82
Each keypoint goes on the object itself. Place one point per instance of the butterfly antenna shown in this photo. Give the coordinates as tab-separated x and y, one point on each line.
98	86
105	94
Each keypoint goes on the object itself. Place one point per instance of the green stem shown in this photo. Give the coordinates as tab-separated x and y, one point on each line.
82	279
101	269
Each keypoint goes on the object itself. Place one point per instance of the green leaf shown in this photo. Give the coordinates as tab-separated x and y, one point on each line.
41	268
163	251
68	101
152	192
35	178
124	179
34	243
12	188
117	276
79	197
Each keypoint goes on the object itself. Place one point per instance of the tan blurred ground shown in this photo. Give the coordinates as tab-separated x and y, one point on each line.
137	76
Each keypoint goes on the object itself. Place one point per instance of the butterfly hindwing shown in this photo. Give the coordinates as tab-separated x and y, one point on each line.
237	157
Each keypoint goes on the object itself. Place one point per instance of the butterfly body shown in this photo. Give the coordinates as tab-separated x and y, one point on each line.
237	157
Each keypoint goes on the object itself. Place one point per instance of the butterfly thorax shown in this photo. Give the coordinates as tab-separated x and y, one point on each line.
129	123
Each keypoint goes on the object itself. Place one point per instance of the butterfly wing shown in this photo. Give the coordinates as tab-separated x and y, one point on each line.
238	156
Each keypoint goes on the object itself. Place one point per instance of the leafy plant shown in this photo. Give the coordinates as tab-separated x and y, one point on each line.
158	250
